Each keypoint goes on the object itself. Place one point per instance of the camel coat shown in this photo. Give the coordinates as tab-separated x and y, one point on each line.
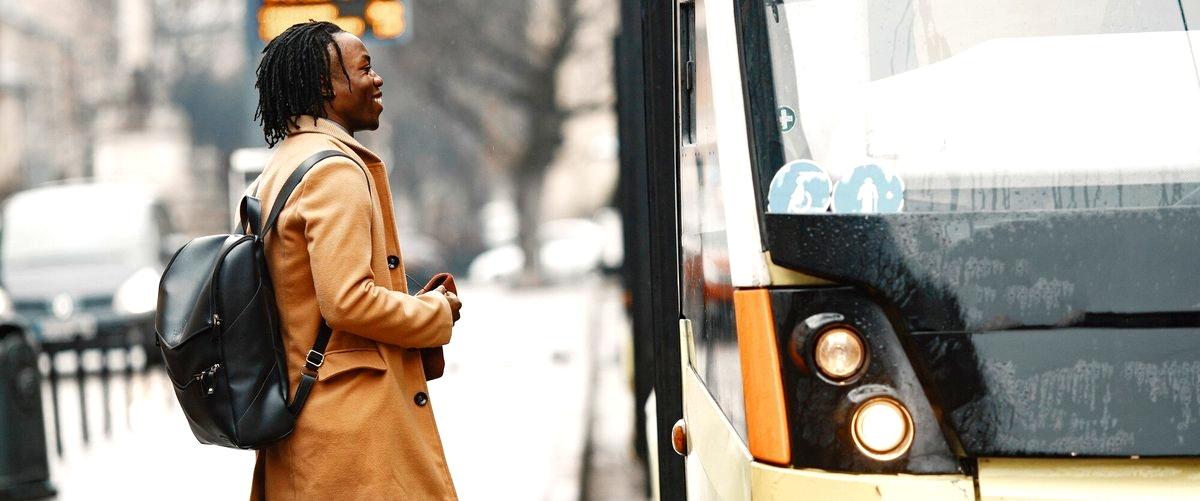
367	430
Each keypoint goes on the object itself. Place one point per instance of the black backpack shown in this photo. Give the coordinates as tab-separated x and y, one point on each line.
218	330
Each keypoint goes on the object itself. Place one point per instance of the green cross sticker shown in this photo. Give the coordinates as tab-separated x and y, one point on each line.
787	119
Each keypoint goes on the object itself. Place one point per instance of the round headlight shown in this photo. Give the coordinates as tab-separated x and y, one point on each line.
6	305
139	293
839	353
882	429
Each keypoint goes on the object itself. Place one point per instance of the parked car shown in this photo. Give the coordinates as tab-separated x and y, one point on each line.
82	261
424	257
569	248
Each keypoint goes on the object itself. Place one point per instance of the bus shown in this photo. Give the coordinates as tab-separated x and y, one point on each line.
915	249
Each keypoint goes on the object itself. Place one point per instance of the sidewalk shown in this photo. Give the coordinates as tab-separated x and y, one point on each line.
512	408
150	454
612	471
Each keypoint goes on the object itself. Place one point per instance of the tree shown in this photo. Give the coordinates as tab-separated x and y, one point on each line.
495	74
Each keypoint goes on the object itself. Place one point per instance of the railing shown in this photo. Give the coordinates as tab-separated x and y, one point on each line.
83	361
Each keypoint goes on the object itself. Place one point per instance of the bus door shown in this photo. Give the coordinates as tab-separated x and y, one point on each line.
720	250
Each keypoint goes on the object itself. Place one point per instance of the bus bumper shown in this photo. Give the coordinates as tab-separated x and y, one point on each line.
1098	479
774	483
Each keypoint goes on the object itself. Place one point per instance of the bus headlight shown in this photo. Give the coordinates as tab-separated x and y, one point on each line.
839	353
857	405
138	294
882	429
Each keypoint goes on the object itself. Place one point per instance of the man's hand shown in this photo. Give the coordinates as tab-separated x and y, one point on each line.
455	304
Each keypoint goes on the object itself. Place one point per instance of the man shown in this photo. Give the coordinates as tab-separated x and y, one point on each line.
868	197
367	430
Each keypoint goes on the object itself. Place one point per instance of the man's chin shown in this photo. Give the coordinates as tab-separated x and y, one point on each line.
373	122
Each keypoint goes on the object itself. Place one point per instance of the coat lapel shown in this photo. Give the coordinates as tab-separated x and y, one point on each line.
378	174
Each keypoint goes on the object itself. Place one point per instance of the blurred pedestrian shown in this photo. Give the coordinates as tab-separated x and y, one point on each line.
367	430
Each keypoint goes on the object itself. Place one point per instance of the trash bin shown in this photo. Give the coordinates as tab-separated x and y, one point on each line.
24	470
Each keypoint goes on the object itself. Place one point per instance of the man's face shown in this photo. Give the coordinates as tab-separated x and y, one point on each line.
356	102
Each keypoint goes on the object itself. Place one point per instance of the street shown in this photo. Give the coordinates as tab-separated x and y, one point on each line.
534	405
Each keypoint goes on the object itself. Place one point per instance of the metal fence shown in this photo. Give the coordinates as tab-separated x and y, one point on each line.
82	362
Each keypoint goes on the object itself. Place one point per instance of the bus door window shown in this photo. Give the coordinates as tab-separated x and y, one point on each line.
706	290
687	71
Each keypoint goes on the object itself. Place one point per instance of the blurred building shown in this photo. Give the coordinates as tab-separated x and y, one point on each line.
107	89
56	58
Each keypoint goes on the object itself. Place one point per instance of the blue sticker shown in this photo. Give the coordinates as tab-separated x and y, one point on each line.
869	189
799	187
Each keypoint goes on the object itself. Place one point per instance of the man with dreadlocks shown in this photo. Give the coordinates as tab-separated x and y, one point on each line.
367	430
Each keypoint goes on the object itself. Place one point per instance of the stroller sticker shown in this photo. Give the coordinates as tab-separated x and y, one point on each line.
799	187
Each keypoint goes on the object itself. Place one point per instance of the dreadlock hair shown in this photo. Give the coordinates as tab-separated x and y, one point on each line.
293	78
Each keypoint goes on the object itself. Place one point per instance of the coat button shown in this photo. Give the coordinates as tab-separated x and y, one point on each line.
421	399
393	262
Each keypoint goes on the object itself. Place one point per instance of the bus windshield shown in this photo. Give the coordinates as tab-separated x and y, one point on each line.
983	105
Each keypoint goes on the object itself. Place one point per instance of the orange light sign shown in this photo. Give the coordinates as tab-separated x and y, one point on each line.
381	20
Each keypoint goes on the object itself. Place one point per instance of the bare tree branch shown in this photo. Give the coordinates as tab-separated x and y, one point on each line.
458	111
590	107
566	37
486	76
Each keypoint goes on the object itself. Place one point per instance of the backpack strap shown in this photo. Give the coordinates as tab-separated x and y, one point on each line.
251	220
312	362
316	356
293	181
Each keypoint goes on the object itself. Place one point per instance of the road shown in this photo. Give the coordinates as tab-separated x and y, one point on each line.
534	405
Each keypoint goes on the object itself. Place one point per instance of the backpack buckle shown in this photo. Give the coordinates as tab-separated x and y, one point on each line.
315	363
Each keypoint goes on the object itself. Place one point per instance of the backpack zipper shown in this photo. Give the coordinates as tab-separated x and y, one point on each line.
208	381
216	318
206	378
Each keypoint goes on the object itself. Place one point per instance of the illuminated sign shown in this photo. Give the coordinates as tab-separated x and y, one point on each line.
382	20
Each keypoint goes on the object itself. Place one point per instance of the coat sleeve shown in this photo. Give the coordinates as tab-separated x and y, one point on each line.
335	204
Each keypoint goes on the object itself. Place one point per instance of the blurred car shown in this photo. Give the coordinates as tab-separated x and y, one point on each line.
82	261
569	248
423	258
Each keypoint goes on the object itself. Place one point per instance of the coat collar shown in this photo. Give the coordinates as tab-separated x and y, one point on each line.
308	124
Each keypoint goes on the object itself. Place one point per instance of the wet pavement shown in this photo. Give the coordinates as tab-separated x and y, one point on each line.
612	470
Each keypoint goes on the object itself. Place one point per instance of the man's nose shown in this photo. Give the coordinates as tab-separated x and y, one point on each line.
378	80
